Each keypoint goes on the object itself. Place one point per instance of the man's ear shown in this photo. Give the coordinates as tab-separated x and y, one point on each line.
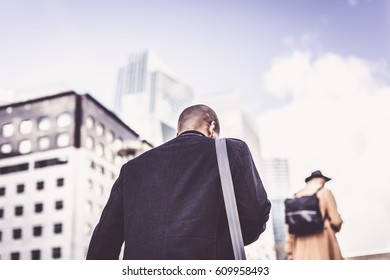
212	129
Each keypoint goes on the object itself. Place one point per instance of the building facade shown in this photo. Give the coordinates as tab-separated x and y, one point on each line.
276	178
59	156
149	98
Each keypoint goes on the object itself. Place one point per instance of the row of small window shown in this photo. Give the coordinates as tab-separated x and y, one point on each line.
100	169
108	151
37	231
56	253
100	129
20	188
38	208
89	208
25	146
44	124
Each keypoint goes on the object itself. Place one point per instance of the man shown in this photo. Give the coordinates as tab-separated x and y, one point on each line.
167	203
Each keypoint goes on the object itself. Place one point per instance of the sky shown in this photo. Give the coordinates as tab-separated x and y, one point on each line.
315	74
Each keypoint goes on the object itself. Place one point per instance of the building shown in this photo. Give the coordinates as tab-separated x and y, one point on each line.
276	178
237	122
149	98
59	156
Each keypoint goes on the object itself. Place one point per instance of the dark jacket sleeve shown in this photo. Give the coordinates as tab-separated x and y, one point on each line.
252	200
108	235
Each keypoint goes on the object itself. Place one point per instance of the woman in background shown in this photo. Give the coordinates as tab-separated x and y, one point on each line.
322	245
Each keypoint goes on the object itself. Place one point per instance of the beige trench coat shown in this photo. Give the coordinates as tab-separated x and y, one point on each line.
323	245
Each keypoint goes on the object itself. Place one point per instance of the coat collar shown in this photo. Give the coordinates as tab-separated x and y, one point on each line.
191	133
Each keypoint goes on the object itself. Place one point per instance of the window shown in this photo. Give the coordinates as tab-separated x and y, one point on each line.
87	229
50	162
26	126
37	231
92	165
109	136
57	228
90	122
44	143
60	182
36	254
63	140
89	184
88	206
20	188
40	185
44	123
64	119
100	129
15	256
59	204
17	233
118	144
8	130
100	149
56	253
38	207
25	146
1	213
2	191
13	168
18	210
6	148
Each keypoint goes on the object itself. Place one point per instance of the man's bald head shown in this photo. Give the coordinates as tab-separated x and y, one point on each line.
198	117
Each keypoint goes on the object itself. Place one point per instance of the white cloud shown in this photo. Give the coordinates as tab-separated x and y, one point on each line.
337	122
299	76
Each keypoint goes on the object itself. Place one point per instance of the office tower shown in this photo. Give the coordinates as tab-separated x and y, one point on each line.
149	98
237	122
276	178
59	156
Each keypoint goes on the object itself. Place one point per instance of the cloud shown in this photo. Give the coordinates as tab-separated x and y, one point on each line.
337	121
328	76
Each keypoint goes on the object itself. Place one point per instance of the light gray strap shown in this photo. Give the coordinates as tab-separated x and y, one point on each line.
230	199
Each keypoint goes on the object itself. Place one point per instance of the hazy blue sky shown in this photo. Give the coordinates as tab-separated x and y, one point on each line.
210	45
315	72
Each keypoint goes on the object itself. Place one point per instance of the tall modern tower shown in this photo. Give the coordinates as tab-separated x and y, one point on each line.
149	98
59	157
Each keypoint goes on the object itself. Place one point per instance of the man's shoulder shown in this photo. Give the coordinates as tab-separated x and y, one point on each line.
236	143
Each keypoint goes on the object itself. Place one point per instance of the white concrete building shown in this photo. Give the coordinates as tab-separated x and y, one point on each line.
59	156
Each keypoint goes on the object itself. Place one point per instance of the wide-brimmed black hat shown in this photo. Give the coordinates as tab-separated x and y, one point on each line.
316	174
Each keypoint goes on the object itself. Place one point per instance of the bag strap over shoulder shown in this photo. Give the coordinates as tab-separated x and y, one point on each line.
320	188
230	199
315	193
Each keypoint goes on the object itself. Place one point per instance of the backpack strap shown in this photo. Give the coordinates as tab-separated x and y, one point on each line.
320	188
326	216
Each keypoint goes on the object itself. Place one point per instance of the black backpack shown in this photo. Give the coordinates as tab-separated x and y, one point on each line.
303	215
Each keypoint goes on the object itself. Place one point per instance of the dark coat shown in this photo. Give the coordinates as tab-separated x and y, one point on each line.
167	203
